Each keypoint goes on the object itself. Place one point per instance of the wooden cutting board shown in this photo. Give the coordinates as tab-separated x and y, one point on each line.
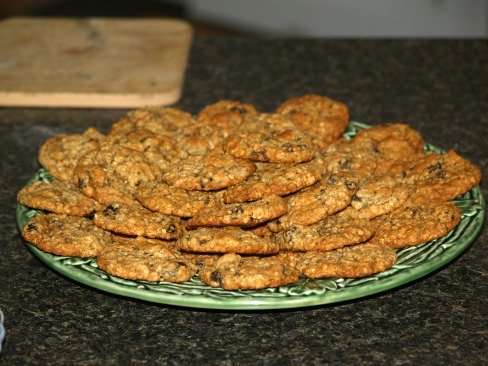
92	62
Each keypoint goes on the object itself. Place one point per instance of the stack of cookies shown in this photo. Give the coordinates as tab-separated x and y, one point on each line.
243	199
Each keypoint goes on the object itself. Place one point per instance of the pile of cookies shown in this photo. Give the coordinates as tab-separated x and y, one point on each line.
240	198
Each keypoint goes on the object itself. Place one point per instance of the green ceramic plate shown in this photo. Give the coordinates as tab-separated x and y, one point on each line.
413	262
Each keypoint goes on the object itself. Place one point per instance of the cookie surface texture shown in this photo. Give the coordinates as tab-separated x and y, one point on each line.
270	138
214	171
240	214
415	224
145	262
326	197
61	197
161	197
323	118
225	240
138	221
274	179
66	235
349	262
235	272
59	154
112	173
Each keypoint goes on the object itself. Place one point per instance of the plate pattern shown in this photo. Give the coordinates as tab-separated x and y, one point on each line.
413	262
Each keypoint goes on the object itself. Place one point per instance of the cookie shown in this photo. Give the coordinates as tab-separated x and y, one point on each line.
225	240
272	138
323	118
274	179
326	197
439	176
198	139
138	221
345	156
160	150
226	114
66	235
169	200
141	240
59	197
379	195
235	272
159	120
146	262
349	262
214	171
240	214
112	173
415	224
333	232
59	154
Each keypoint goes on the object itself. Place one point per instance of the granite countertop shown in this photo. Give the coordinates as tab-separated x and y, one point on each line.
440	87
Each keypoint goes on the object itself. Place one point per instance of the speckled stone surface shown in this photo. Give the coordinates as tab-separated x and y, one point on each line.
440	87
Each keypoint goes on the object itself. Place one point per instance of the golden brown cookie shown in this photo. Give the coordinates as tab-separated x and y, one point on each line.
159	120
146	262
274	179
240	214
333	232
323	118
309	205
379	195
138	221
439	176
226	114
235	272
225	240
272	138
349	262
59	197
415	224
214	171
59	154
161	197
112	173
66	235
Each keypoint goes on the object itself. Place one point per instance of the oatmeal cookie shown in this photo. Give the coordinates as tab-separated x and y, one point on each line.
169	200
214	171
439	176
159	120
160	150
146	262
323	118
138	221
270	138
415	224
378	196
349	262
199	139
226	114
60	153
59	197
333	232
225	240
240	214
66	235
235	272
113	173
274	179
326	197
